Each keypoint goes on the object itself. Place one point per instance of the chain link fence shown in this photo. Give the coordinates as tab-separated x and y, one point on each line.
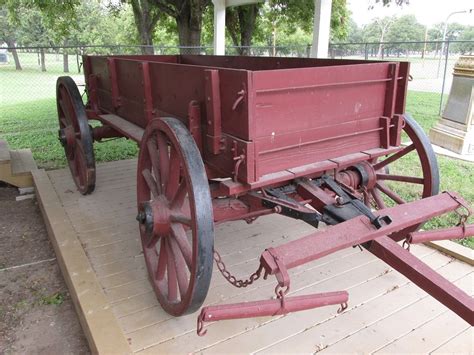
28	77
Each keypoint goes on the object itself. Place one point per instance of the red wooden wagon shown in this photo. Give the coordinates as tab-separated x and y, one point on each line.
228	138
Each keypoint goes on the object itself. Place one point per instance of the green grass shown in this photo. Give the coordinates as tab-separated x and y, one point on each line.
34	125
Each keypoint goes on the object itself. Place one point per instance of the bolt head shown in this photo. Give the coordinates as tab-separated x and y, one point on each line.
141	217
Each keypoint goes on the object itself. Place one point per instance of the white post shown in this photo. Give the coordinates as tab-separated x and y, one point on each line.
219	27
321	28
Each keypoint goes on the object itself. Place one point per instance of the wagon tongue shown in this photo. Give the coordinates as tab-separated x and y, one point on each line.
379	240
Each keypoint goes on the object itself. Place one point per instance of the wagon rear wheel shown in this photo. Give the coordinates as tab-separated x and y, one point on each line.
75	134
175	216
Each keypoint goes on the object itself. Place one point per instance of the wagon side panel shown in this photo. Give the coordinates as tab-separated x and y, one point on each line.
100	70
131	91
175	86
313	114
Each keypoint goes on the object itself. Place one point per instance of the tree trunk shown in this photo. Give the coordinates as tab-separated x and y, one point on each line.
247	18
146	40
14	53
189	23
65	62
145	24
65	58
43	64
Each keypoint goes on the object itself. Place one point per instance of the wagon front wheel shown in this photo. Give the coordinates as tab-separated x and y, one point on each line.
175	216
75	134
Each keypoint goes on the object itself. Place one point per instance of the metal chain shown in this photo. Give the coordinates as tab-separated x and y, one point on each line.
231	278
464	215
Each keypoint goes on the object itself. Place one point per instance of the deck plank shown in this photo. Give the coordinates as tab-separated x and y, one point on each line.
386	330
462	343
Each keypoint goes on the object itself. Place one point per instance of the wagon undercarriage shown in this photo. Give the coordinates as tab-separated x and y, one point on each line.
205	158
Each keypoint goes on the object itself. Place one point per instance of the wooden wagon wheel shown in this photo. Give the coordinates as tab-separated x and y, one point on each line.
392	175
392	178
75	134
175	216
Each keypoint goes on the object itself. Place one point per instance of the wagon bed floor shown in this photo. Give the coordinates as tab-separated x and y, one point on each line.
386	313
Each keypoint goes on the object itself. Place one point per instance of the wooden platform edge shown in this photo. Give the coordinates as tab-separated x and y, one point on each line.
100	326
453	249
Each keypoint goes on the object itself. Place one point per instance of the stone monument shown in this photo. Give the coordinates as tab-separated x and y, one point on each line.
455	129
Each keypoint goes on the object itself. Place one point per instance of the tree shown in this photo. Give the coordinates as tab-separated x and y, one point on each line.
41	21
406	29
187	14
34	33
435	34
285	17
377	30
466	47
241	22
146	14
9	35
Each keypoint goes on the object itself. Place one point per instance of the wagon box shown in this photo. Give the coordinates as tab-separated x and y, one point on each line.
281	116
237	138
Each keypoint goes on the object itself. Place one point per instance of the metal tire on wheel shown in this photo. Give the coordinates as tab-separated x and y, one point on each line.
175	216
75	134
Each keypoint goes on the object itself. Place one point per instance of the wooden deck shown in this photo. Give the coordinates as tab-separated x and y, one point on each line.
386	314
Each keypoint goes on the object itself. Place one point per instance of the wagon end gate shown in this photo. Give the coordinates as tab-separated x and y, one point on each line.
378	232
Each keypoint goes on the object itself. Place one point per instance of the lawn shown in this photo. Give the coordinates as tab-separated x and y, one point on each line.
28	120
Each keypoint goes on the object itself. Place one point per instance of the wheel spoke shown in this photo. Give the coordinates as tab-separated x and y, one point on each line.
70	110
179	235
172	278
153	240
180	218
162	261
150	181
180	195
394	157
378	199
393	195
153	152
164	158
62	104
180	267
174	174
63	121
409	179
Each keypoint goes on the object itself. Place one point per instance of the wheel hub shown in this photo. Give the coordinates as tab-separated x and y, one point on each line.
155	216
360	175
67	136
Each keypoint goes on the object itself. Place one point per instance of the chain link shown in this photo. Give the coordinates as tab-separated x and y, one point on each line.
231	278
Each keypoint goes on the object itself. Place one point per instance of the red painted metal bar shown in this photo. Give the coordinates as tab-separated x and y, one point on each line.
425	277
270	307
356	231
441	234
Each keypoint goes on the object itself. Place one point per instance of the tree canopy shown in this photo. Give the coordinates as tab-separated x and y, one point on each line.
190	23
